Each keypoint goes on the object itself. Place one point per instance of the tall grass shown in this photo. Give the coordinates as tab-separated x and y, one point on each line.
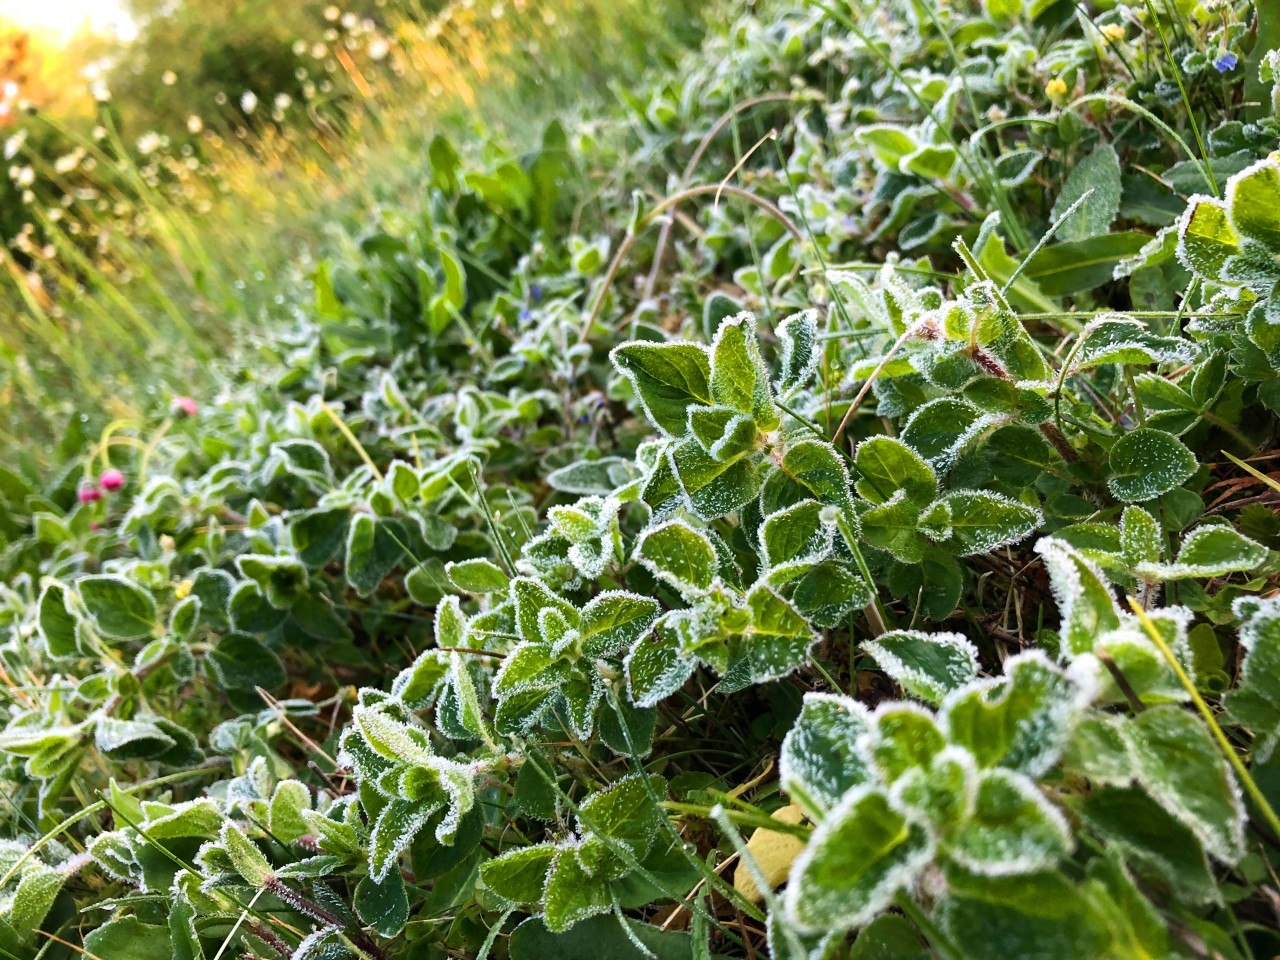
204	261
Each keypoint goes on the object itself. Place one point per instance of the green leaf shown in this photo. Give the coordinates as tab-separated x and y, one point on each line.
1013	829
667	378
394	830
895	526
383	905
1213	550
1124	341
1098	177
374	548
1020	721
827	592
1141	541
572	894
252	865
738	376
120	609
886	465
679	555
798	350
795	535
926	665
242	662
855	863
1253	199
31	900
1085	602
1064	269
1255	701
128	938
969	522
942	428
519	876
137	739
614	620
711	488
478	576
1146	463
318	534
890	936
815	467
656	667
822	758
1177	762
56	623
1206	238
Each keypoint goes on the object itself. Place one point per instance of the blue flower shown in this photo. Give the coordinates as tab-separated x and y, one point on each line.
1226	62
535	292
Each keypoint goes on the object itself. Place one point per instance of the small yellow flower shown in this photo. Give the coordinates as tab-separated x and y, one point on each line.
1057	87
183	590
1113	32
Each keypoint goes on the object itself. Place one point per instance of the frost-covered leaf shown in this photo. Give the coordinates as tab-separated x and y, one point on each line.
1085	601
1208	551
861	855
394	830
679	555
969	522
1253	199
248	860
1141	541
1121	340
1255	701
57	624
615	619
1146	463
942	428
886	465
795	535
478	576
816	468
667	378
826	593
1013	828
1178	763
738	376
656	667
120	609
572	894
1021	720
926	665
1206	238
821	758
383	905
798	350
1097	179
519	876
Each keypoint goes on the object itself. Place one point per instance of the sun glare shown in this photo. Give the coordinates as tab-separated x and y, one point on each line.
66	18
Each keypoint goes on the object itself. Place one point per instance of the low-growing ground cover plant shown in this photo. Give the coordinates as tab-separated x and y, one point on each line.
858	545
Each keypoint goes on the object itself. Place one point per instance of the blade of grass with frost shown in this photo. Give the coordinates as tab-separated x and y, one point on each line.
1048	235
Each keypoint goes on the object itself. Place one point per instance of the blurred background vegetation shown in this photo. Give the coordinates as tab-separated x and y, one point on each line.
164	184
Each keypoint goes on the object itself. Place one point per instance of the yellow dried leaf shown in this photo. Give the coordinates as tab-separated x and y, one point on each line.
773	852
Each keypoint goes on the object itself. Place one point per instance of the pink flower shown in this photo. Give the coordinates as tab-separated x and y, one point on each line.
111	479
185	407
89	493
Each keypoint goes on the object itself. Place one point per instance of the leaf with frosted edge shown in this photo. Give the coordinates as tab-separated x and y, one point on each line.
904	736
798	350
56	623
1095	183
711	488
248	860
795	534
940	429
667	378
1253	202
1013	828
1178	764
615	619
529	597
31	900
593	477
1085	602
1020	721
656	667
815	466
722	432
1255	701
1118	339
895	526
383	906
856	861
780	637
1206	238
519	876
1208	551
1152	842
827	593
395	828
926	665
678	555
478	576
979	521
821	754
460	680
571	893
1141	541
1146	463
886	465
419	684
119	608
625	812
738	376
